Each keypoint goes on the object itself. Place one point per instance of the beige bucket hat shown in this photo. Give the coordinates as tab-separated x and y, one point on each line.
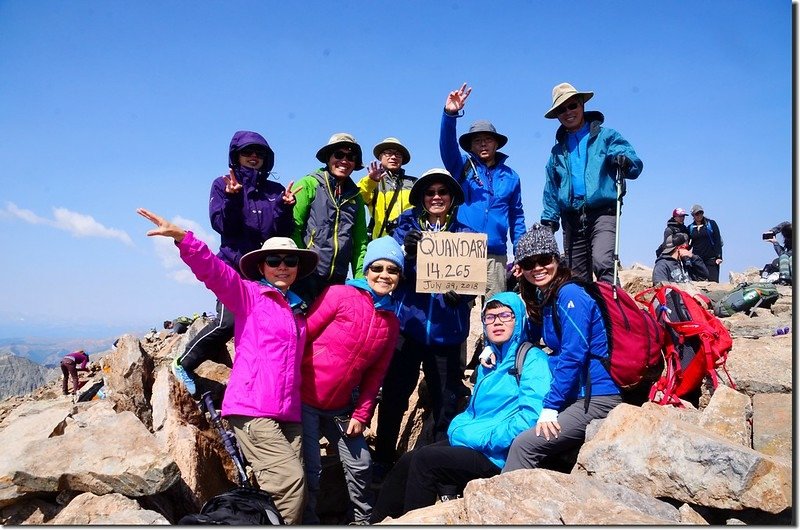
341	140
391	143
563	92
250	263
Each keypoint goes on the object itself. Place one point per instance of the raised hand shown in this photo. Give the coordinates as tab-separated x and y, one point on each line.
231	184
375	171
456	99
165	228
288	195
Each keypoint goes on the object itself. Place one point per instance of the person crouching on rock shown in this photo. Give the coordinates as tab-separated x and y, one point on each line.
70	368
478	439
262	400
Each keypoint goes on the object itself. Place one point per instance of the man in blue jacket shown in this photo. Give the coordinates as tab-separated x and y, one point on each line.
492	194
580	186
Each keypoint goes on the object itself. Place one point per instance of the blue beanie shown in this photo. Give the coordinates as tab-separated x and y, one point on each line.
384	248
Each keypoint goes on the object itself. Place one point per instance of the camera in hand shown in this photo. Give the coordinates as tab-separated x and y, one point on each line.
767	235
342	422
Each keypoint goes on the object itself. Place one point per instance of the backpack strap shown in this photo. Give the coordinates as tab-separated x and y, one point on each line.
519	361
392	201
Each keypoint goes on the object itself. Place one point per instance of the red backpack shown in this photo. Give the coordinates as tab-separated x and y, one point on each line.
634	337
696	342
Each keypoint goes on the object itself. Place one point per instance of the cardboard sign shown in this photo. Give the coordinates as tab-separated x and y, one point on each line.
449	261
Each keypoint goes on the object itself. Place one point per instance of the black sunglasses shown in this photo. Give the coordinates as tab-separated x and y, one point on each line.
390	269
338	155
275	261
534	261
441	193
249	151
564	108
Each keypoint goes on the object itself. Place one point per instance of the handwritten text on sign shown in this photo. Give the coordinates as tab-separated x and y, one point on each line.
449	261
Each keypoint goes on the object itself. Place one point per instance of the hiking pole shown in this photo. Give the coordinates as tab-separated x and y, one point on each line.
228	438
620	192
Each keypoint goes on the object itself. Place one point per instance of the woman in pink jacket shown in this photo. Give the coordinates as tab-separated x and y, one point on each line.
352	332
262	400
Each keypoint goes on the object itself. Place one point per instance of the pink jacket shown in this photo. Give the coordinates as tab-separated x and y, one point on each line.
268	335
350	343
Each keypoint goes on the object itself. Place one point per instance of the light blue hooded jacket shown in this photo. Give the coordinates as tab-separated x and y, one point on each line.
501	408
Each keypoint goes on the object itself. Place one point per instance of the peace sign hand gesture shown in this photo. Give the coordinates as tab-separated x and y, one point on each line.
456	99
165	228
231	185
288	196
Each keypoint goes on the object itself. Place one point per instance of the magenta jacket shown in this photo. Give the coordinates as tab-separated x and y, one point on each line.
350	343
268	335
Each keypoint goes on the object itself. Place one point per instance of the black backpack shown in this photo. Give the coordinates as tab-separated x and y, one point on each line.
240	506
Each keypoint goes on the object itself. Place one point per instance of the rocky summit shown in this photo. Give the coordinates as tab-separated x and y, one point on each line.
133	448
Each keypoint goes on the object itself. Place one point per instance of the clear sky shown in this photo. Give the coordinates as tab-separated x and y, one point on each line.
107	106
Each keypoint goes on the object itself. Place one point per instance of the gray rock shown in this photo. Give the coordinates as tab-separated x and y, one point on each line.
772	425
761	366
128	374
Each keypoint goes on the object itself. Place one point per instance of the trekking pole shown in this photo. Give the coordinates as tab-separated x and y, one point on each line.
228	438
620	192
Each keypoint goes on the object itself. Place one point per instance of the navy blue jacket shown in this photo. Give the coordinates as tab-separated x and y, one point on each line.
425	317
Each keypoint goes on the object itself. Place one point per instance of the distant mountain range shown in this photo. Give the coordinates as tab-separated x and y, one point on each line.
48	353
21	376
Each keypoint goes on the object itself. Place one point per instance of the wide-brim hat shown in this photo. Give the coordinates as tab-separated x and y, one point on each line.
480	127
249	263
341	140
437	174
673	241
392	143
563	92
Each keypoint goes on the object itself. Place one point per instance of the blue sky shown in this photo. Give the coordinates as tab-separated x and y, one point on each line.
108	106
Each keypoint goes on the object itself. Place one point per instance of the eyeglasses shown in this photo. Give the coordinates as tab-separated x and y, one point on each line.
505	316
275	261
250	151
536	261
392	153
443	192
338	155
561	109
377	269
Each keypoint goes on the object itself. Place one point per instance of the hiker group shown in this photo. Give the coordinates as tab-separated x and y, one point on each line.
316	284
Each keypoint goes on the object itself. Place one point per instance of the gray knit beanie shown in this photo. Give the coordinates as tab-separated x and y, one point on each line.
537	241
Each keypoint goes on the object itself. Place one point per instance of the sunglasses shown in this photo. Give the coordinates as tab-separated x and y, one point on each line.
250	151
505	316
444	192
390	269
338	155
564	108
275	261
536	261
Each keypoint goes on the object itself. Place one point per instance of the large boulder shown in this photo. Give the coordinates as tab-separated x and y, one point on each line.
772	425
111	509
648	450
128	375
763	365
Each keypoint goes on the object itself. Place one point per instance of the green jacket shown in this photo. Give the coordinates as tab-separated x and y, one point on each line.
334	227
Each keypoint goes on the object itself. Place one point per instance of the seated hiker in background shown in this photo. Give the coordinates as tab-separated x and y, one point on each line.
677	264
329	217
262	399
352	333
386	187
582	388
246	209
784	251
432	326
503	405
70	368
180	325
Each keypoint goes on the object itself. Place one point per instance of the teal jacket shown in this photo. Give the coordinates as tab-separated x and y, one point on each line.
500	408
601	189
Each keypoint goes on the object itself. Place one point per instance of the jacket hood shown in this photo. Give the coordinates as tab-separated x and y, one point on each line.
594	118
516	304
242	139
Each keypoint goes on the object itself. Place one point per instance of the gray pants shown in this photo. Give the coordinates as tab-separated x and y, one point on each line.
528	450
495	274
589	242
353	453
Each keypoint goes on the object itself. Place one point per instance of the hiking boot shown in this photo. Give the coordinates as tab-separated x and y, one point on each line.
183	376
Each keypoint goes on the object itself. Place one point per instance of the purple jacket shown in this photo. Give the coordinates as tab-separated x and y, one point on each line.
78	357
246	219
269	337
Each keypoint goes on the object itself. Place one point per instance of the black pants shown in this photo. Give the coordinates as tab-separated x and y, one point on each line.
421	475
713	269
69	370
589	242
442	368
211	339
